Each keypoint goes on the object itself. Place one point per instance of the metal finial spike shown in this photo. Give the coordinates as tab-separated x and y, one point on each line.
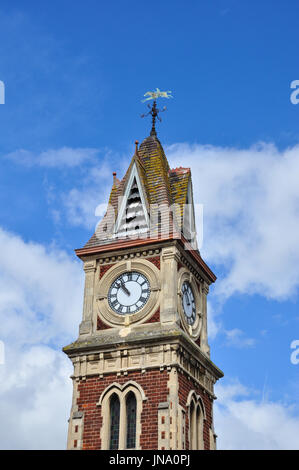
136	147
154	111
153	95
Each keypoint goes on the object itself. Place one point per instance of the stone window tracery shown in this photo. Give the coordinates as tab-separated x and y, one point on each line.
121	412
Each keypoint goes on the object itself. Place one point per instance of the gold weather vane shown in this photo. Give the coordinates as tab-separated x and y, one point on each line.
154	95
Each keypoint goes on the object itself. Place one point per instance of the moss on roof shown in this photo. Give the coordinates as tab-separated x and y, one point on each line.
160	184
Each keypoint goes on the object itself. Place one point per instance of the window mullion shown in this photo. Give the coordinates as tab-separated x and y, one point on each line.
122	424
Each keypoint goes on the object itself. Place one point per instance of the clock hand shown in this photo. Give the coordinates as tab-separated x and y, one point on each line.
122	285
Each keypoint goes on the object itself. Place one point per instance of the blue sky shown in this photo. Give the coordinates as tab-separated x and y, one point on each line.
74	75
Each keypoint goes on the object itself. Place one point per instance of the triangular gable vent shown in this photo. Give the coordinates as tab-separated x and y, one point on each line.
133	217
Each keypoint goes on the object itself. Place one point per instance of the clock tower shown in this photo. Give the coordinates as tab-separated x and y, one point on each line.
143	377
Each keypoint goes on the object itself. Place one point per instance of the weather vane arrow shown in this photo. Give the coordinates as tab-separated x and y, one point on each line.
154	95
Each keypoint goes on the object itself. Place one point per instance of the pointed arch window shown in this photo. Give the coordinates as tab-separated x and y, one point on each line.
199	428
196	419
192	427
114	421
131	407
121	408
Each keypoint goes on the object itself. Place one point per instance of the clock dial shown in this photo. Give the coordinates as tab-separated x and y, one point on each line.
129	293
188	303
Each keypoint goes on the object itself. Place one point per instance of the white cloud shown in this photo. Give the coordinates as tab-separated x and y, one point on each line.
214	324
242	422
251	207
63	157
40	309
35	394
40	291
80	203
237	339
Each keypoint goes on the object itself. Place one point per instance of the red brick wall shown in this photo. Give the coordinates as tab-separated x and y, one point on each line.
185	386
154	384
155	317
104	269
180	265
155	260
101	325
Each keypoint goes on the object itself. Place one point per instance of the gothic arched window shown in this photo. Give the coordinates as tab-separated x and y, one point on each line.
196	420
193	433
114	421
199	426
131	406
121	408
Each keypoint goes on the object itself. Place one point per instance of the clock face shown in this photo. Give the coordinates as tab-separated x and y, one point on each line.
129	293
188	303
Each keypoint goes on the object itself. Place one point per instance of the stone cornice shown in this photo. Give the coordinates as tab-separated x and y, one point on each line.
113	342
191	258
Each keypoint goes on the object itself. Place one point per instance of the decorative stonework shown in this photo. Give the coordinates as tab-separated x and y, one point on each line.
192	391
143	359
111	318
75	431
86	324
121	391
148	254
185	263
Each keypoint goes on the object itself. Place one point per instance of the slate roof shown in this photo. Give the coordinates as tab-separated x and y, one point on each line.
160	185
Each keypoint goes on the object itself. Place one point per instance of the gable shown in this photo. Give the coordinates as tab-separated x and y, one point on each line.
132	215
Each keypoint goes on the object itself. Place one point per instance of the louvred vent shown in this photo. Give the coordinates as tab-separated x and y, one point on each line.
133	219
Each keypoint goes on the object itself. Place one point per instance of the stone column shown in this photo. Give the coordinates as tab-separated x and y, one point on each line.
173	399
86	324
169	277
204	330
75	428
